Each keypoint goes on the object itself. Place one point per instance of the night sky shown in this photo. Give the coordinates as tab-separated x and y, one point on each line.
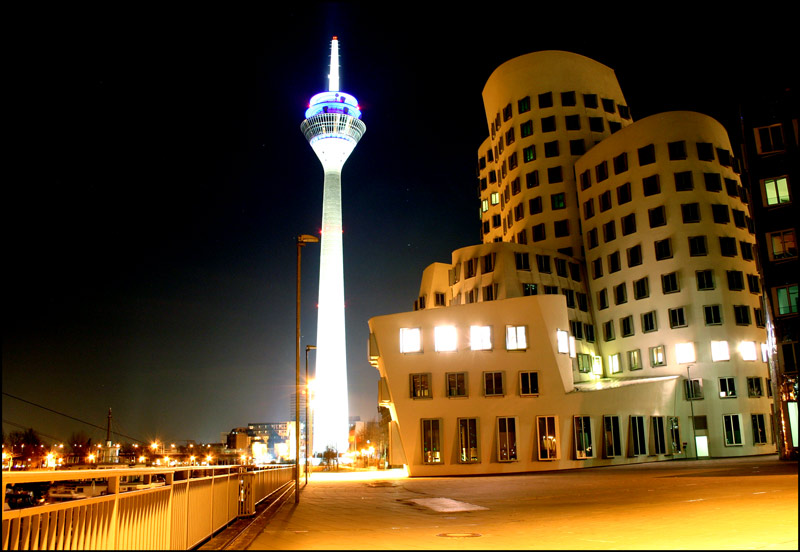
160	179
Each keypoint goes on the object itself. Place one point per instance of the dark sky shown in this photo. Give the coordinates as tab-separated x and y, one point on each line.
160	179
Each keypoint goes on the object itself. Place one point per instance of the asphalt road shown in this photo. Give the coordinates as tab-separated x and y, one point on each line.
744	503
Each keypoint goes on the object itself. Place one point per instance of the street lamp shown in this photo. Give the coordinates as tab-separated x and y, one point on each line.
302	240
690	393
308	397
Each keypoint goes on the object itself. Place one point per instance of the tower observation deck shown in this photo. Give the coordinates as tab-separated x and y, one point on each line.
333	128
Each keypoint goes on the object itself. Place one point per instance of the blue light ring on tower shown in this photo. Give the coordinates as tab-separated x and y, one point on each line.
333	102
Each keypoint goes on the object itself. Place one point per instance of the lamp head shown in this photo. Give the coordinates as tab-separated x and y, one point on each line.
307	238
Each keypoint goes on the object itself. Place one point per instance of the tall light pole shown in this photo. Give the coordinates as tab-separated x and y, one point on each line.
308	397
302	240
690	393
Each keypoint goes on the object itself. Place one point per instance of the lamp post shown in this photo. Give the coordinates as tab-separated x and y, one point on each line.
302	240
308	397
690	393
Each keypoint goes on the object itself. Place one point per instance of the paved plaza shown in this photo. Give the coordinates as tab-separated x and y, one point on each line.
743	503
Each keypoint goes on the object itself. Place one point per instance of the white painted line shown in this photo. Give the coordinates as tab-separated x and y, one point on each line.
446	505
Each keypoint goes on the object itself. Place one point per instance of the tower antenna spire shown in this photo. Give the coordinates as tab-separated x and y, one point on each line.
333	77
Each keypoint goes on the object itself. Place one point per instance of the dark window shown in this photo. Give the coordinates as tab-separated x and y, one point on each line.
698	246
506	113
731	187
575	271
647	155
663	249
601	171
591	236
590	100
721	214
614	264
628	223
561	267
597	268
596	124
586	180
624	112
641	288
577	147
545	100
683	181
588	209
620	294
605	201
529	153
551	149
621	163
690	212
549	124
532	179
677	150
669	283
741	313
543	263
624	193
735	280
614	126
602	299
568	99
658	217
705	151
557	201
705	280
713	182
738	218
573	122
609	231
535	205
554	174
608	105
650	185
677	317
538	232
724	157
635	256
526	129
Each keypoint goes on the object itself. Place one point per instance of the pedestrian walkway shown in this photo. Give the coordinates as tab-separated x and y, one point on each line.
691	504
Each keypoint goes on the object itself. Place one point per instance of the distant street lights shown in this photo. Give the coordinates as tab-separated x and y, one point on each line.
308	397
302	240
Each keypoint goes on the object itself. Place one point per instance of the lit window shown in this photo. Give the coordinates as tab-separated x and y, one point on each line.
693	389
480	338
776	191
583	437
733	430
638	441
456	383
420	386
495	197
684	353
634	360
548	437
506	439
727	388
468	441
782	245
410	340
484	205
748	350
516	338
759	429
657	356
754	388
562	340
786	299
614	364
445	338
719	351
431	441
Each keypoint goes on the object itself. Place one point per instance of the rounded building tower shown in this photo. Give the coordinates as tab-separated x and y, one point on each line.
333	128
670	259
543	111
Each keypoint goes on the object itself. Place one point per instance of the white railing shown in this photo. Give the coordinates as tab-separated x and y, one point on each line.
191	505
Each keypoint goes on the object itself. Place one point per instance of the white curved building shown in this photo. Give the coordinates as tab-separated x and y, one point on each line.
612	314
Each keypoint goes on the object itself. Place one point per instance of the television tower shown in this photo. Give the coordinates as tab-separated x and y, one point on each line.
333	128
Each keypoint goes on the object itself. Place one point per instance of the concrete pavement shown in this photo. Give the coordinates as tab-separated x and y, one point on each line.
743	503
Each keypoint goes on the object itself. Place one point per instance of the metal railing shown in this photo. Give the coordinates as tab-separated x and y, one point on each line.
191	505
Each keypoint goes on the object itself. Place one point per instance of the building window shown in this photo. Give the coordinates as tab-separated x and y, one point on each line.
551	149
638	441
620	294
456	384
786	299
522	261
693	389
609	232
526	129
624	193
410	340
614	364
468	452
698	247
727	388
677	317
524	105
555	175
612	443
727	246
647	155
677	150
584	363
713	182
720	213
658	216
529	289
705	151
741	314
535	205
493	384
529	154
683	181
634	360
663	249
608	330
735	280
506	439
549	124
769	139
516	338
431	441
506	113
641	288
528	383
620	163
669	283
776	191
573	122
659	435
628	224
649	322
614	263
658	356
754	388
480	338
651	185
712	315
782	245
705	280
420	385
532	179
690	212
759	429
557	201
445	339
753	283
596	124
548	437
538	231
583	437
733	431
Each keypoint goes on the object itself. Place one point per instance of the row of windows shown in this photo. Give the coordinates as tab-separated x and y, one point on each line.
657	356
456	384
522	261
662	249
670	283
664	437
480	339
678	318
646	155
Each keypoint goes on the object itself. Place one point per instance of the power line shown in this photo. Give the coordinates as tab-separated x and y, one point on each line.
68	416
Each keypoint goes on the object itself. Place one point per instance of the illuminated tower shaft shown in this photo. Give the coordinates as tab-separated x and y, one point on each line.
333	129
